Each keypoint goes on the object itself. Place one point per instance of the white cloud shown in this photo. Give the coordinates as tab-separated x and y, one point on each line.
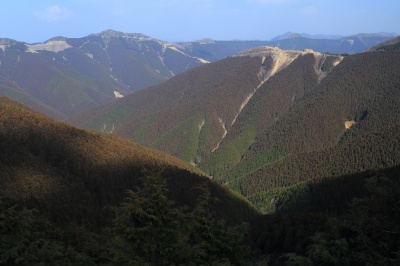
54	13
308	10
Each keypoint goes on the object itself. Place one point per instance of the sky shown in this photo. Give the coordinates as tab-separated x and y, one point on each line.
35	21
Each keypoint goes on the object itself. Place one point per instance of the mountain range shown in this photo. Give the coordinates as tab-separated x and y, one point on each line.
300	145
64	76
268	118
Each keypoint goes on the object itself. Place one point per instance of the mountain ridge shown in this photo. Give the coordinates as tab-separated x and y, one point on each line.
298	104
212	112
69	75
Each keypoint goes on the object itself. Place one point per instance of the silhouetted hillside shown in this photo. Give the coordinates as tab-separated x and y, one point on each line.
347	220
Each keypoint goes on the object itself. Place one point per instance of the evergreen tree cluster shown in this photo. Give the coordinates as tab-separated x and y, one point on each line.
58	186
148	229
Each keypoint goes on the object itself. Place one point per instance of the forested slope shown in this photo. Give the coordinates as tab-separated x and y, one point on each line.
185	116
359	98
271	101
269	119
342	220
66	180
192	114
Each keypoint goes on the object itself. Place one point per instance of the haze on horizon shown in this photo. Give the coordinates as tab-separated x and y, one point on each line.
188	20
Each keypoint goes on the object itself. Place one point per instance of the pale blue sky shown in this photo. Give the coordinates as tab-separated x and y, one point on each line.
188	20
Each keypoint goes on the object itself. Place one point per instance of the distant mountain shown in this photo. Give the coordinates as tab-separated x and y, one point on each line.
64	76
70	75
10	88
321	36
392	44
287	35
348	44
291	35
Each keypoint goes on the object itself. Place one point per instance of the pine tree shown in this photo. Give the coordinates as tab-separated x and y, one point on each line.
148	229
212	240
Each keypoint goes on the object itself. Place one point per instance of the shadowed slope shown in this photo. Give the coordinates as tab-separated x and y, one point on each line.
71	174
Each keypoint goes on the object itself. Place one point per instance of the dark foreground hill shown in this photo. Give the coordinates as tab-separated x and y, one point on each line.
346	220
58	186
62	202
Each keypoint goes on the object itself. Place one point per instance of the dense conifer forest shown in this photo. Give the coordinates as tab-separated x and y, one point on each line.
63	191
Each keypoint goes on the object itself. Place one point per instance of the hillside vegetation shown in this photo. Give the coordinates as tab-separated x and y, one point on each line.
305	116
392	44
342	220
269	102
185	116
66	181
363	89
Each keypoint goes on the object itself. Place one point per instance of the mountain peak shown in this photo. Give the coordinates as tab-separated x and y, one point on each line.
7	41
275	51
57	38
114	34
287	35
206	41
321	36
108	33
366	35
